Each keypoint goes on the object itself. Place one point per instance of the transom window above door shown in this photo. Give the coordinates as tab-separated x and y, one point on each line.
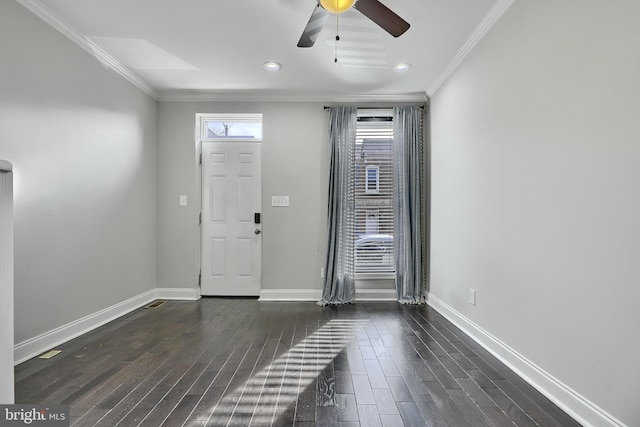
230	127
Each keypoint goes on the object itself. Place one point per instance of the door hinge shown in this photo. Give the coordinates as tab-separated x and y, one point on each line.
200	279
200	219
200	158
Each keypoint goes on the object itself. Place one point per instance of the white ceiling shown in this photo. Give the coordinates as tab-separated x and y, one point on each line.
214	49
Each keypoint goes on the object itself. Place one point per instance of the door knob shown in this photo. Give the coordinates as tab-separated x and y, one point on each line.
257	231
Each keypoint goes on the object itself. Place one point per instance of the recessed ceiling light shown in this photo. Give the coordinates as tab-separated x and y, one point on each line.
402	67
272	66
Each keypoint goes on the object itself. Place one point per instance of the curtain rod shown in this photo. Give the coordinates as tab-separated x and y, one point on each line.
370	108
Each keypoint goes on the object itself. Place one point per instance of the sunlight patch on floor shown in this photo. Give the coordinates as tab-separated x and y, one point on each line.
276	388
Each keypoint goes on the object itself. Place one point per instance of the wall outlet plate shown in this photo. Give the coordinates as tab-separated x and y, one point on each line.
472	296
280	201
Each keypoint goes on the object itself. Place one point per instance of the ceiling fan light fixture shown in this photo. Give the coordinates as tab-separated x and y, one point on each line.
402	67
337	6
272	66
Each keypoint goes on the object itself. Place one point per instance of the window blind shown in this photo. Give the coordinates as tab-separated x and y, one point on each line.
374	219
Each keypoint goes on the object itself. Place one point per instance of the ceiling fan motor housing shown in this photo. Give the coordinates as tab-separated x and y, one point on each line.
337	6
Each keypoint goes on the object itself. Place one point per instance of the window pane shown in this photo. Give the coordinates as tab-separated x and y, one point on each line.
219	129
372	184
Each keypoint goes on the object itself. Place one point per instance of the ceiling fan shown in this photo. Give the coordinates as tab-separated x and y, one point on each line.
372	9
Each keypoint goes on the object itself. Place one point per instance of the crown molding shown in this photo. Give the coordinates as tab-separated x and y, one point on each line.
495	13
42	12
288	97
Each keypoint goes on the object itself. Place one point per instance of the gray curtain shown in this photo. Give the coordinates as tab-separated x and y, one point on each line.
409	184
339	285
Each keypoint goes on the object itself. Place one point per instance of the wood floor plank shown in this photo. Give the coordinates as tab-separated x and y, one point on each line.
347	408
341	361
450	412
388	366
475	392
410	415
421	370
469	409
391	421
326	416
509	407
497	417
369	416
399	389
385	401
204	405
306	405
168	413
344	385
487	369
362	389
378	346
480	378
532	409
559	415
356	362
377	378
430	411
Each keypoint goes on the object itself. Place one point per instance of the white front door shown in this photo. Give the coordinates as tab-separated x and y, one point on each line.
231	198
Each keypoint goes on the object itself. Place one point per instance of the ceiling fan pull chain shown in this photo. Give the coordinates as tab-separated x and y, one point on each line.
335	52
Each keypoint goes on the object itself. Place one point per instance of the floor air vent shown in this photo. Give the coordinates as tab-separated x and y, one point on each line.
49	354
155	304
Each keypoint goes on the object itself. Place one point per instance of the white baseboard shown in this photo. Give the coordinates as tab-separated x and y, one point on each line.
188	294
574	404
34	346
37	345
376	295
290	295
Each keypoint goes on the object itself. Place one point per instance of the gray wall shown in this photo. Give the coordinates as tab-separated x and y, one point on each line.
295	162
82	142
535	204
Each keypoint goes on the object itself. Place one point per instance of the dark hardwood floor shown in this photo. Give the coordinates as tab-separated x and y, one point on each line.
241	362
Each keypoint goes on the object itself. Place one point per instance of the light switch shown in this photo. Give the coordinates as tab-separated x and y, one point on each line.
183	200
280	201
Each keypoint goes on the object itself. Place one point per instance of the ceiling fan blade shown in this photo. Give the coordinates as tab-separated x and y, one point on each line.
314	26
383	16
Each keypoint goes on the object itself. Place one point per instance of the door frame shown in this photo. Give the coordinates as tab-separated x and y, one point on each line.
200	127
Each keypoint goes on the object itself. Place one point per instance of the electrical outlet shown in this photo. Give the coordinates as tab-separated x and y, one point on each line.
472	296
183	200
322	272
280	201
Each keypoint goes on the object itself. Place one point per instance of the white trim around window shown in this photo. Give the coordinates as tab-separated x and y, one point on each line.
372	179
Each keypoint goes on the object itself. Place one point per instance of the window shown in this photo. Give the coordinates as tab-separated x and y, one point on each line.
372	182
226	127
374	193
